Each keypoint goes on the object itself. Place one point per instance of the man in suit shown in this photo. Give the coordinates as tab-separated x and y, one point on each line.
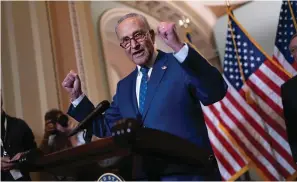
16	139
289	99
164	91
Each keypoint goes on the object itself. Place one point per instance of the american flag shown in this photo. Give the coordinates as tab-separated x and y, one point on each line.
241	133
285	31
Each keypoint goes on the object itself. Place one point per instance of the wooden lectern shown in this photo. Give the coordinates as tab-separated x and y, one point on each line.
119	154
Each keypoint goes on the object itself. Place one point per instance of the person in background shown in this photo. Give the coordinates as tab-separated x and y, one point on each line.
55	138
57	127
16	139
289	100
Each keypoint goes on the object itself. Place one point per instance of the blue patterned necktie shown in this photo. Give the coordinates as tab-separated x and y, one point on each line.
143	88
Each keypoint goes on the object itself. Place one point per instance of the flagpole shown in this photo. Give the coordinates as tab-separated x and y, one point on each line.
293	16
227	4
235	46
238	60
247	95
249	161
234	177
188	30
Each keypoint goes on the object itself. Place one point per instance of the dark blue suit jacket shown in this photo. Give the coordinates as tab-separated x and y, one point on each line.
173	98
289	99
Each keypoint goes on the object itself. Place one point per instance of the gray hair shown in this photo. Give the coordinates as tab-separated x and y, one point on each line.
129	15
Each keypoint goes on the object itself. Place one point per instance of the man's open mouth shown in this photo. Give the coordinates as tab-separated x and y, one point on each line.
138	53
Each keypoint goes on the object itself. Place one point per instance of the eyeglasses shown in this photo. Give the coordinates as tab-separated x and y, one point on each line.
293	49
137	37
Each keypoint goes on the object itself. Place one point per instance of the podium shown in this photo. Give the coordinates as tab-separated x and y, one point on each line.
121	153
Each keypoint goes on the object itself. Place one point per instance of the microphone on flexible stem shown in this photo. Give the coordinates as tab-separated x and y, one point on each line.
101	107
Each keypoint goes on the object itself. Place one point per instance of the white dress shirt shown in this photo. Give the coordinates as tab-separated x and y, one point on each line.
180	56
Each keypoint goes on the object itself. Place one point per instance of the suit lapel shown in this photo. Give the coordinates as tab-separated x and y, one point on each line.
159	69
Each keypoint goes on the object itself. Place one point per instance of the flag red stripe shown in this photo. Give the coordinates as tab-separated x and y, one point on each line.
276	145
218	153
225	163
268	82
242	145
260	130
223	160
276	60
225	143
249	136
276	70
265	98
272	123
257	127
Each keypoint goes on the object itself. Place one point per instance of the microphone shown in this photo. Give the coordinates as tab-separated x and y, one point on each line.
101	107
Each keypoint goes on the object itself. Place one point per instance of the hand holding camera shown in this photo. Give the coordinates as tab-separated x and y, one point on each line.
50	128
56	121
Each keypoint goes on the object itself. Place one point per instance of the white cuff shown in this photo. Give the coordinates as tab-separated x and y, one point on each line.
182	54
78	100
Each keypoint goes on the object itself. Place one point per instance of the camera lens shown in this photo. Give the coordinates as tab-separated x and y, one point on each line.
63	120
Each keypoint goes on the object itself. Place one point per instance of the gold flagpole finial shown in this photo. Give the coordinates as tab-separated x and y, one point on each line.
184	22
227	3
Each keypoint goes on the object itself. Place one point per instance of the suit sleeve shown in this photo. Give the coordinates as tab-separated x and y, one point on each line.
203	79
82	110
113	114
102	125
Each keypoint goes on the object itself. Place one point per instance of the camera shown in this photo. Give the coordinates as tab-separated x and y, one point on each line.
57	116
62	120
